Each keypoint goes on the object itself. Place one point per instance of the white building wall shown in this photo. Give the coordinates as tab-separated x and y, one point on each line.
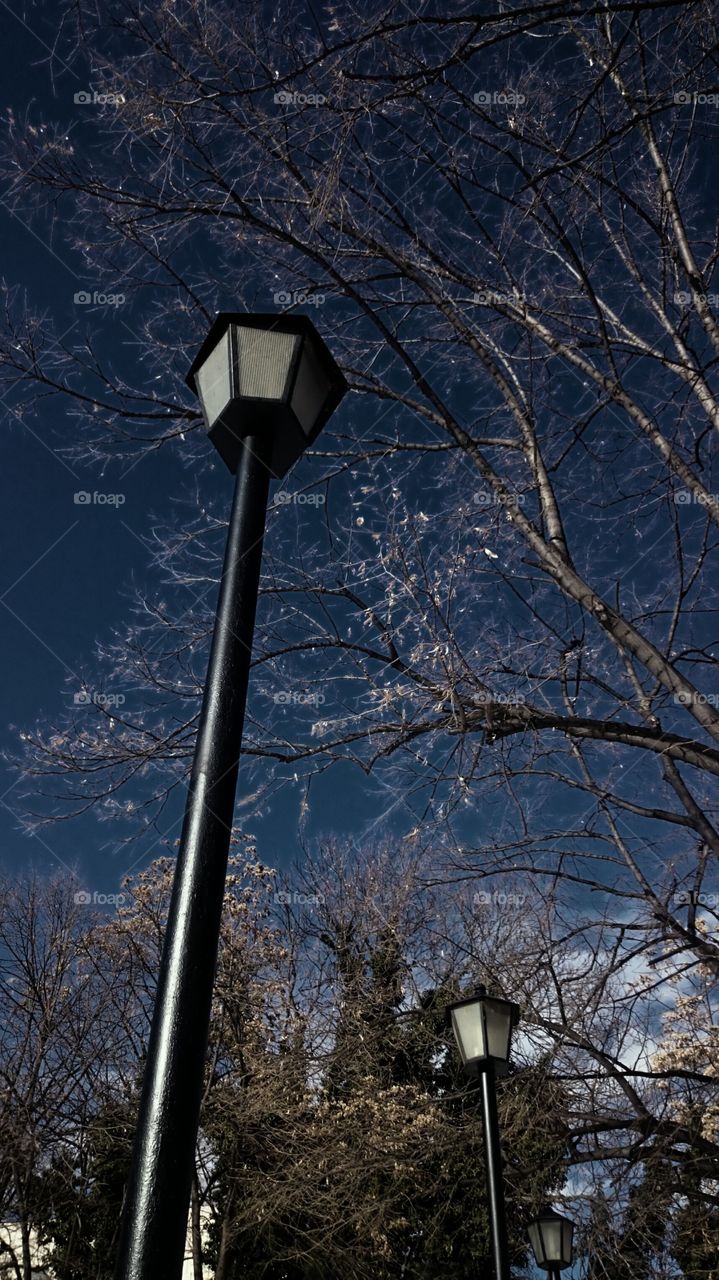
10	1235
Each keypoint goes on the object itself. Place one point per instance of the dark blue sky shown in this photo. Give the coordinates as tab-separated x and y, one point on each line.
68	567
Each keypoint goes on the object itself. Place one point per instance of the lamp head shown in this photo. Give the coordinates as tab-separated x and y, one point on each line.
550	1235
483	1028
257	373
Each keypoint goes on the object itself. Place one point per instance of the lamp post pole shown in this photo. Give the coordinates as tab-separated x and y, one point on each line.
154	1223
493	1161
267	385
483	1027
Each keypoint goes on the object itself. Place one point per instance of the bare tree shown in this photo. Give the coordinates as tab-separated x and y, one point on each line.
334	1107
53	1035
503	610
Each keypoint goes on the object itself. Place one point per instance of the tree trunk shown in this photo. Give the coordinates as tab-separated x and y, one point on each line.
226	1253
196	1229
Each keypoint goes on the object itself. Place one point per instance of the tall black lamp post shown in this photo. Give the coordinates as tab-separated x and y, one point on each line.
267	385
550	1236
483	1028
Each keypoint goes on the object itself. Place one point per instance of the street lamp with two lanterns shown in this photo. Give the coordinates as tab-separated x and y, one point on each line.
483	1027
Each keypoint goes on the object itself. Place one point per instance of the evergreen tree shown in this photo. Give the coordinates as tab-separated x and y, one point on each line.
79	1197
381	1161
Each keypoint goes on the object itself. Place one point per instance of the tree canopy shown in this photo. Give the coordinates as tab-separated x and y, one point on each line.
502	611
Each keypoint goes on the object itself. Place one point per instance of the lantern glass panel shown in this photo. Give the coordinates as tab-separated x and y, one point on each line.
499	1028
264	358
312	388
213	380
468	1025
535	1239
552	1234
567	1240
